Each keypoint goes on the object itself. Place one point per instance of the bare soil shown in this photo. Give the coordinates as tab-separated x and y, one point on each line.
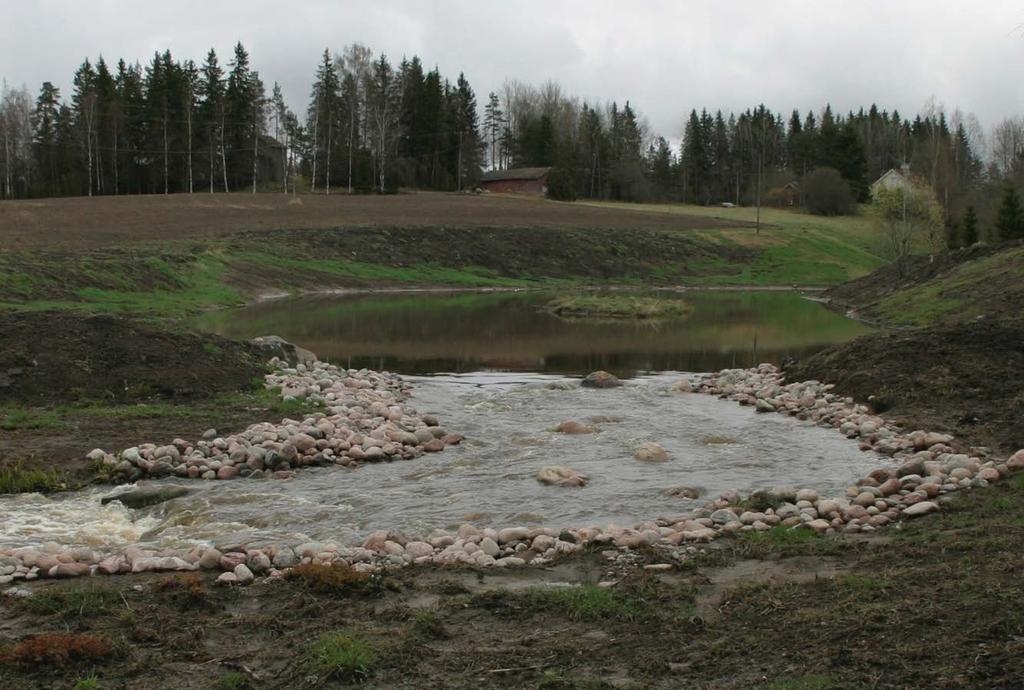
60	371
964	379
63	357
104	222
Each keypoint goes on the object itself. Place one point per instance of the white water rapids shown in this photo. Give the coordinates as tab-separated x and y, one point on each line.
488	480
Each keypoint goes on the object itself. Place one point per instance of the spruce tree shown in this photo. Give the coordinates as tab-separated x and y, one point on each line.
1010	217
970	227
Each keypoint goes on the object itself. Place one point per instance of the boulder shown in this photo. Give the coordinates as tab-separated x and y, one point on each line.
600	379
650	452
921	508
1016	461
143	496
684	492
270	346
571	427
561	476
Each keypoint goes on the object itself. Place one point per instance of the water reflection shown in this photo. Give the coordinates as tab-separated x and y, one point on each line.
420	333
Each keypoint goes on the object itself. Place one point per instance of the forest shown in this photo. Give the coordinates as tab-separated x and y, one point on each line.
175	126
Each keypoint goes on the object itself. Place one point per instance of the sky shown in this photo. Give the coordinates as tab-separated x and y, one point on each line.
664	57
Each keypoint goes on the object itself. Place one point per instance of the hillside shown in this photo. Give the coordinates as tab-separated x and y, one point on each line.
956	359
171	255
983	281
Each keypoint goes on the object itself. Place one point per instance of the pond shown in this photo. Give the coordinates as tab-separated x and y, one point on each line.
427	333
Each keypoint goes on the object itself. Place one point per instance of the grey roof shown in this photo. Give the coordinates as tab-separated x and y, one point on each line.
515	174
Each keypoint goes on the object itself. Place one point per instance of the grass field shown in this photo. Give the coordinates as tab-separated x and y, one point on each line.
791	247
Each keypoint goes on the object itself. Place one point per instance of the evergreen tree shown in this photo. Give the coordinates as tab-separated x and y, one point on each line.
212	116
969	227
243	96
494	121
1010	216
46	116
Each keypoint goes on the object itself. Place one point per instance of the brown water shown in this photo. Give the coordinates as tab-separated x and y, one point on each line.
427	333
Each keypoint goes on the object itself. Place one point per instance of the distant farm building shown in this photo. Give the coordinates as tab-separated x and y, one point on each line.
517	181
786	196
892	179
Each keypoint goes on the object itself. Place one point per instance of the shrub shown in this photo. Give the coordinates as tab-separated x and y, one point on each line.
57	649
826	193
561	185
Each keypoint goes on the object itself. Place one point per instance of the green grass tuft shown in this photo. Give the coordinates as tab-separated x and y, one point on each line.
88	683
234	680
341	656
85	601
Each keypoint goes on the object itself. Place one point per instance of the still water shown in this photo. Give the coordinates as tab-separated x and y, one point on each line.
427	333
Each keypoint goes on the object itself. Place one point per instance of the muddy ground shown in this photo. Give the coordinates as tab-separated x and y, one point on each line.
933	604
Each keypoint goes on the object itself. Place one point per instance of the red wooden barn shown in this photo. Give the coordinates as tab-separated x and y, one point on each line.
517	180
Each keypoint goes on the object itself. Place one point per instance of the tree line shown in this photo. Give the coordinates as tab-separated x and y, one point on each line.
173	126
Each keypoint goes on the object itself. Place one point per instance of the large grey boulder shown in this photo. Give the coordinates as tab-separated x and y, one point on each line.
275	346
143	496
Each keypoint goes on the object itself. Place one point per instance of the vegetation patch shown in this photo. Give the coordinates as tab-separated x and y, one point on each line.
56	650
19	418
426	623
630	600
15	478
187	590
235	680
334	579
341	656
88	600
617	306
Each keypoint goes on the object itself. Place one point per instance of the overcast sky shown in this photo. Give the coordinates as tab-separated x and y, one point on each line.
666	57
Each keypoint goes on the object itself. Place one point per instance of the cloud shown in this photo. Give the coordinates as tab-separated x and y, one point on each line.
665	57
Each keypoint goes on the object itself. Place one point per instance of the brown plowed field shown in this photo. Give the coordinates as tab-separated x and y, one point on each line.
87	223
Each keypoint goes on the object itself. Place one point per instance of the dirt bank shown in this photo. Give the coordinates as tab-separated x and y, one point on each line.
60	357
964	379
69	383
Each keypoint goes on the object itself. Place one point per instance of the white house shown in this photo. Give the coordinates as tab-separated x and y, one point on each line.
892	179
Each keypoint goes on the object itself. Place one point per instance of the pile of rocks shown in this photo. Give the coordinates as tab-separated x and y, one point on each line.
365	420
924	464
